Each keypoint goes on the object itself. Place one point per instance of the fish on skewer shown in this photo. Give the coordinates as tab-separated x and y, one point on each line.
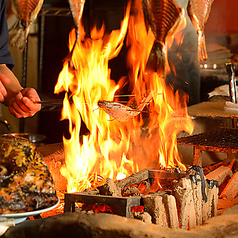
122	112
26	11
76	7
198	12
163	17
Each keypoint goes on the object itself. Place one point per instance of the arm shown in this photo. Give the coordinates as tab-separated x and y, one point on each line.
20	101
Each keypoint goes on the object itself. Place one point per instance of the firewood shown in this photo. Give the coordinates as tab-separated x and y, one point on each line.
231	189
133	179
197	197
155	207
184	196
171	210
109	189
212	167
209	208
220	174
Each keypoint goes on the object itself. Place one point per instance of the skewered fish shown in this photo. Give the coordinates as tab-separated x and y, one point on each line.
163	17
26	12
198	11
122	112
76	7
26	183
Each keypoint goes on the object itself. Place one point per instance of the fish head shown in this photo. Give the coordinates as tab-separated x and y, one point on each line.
101	104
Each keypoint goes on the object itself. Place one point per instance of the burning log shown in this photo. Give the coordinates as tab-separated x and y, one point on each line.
133	179
109	189
231	189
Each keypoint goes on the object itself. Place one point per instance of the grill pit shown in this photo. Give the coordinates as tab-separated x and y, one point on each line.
189	201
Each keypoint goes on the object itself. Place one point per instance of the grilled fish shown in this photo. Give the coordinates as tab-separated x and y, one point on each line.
163	17
26	12
198	12
76	7
26	183
122	112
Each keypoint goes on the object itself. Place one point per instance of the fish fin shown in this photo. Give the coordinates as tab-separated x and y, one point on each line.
202	52
18	36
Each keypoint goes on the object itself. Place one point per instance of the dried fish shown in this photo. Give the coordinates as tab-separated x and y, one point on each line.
198	11
122	112
76	7
26	12
163	17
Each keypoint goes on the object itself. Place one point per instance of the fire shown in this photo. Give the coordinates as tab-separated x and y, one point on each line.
115	149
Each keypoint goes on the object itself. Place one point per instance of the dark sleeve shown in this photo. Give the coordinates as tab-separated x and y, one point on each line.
5	55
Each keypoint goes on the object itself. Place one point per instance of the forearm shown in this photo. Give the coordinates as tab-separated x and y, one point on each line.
12	85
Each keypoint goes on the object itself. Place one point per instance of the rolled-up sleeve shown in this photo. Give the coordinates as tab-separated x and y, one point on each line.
5	55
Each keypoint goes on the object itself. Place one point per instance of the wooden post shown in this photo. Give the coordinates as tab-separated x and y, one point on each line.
197	156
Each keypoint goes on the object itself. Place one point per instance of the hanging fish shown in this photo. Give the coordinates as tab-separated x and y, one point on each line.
9	12
26	11
198	12
122	112
163	17
76	7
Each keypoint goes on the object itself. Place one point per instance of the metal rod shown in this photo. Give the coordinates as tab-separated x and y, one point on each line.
41	51
230	68
23	83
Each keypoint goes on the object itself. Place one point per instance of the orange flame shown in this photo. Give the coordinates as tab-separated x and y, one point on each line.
116	149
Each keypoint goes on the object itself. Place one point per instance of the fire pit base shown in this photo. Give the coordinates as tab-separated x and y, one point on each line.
189	202
107	225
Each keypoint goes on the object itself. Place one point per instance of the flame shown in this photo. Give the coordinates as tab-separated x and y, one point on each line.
115	149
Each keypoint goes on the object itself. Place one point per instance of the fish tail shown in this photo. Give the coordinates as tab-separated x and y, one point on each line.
18	36
202	52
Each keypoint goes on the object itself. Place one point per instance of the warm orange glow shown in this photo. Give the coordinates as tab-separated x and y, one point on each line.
115	149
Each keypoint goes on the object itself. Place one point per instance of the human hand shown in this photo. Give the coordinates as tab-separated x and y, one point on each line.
23	104
3	90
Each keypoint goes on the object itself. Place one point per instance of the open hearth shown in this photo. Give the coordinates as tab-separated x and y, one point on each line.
54	156
188	200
